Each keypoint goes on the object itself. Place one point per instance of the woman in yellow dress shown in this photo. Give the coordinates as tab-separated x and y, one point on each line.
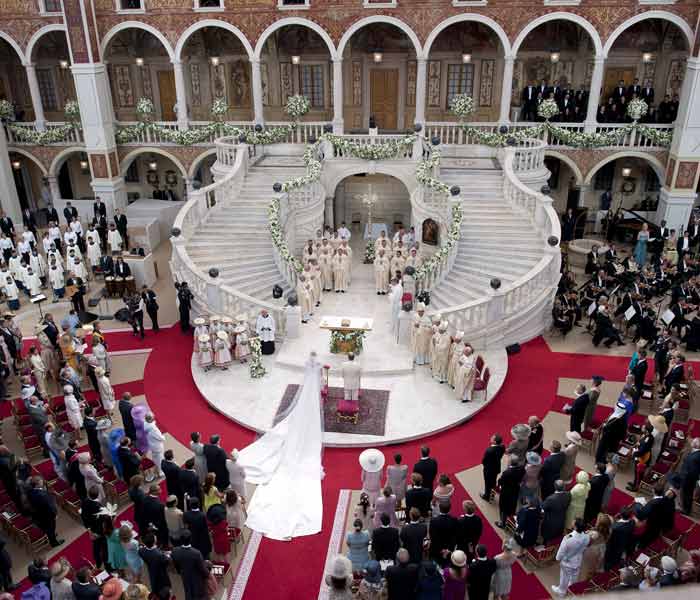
65	343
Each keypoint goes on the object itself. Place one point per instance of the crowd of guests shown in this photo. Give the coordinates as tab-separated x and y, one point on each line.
573	103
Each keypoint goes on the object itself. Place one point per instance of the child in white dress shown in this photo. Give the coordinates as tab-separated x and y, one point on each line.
222	354
200	329
242	343
206	357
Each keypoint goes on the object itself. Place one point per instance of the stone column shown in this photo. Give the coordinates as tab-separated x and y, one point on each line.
9	200
507	90
338	123
421	81
329	212
39	119
54	189
258	113
181	94
594	93
583	194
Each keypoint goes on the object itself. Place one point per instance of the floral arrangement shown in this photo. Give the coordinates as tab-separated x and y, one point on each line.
462	105
7	110
340	340
219	109
72	111
145	109
273	215
369	252
313	168
381	151
298	106
432	263
547	109
637	108
424	173
257	369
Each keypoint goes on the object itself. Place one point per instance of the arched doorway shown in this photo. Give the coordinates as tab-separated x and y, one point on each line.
29	177
200	170
51	59
564	183
13	82
153	174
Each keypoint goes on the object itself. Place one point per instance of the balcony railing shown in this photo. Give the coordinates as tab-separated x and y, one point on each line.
73	135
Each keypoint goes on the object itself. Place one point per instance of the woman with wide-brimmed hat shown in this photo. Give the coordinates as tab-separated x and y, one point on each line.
530	487
455	575
372	462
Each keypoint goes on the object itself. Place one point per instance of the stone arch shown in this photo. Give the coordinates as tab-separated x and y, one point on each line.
357	25
489	22
62	157
569	162
127	160
10	40
212	23
559	16
30	156
653	161
651	14
38	35
332	176
198	161
293	21
104	44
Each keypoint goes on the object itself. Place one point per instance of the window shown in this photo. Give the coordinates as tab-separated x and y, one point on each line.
203	5
130	5
651	181
50	6
293	4
604	177
47	89
312	84
132	173
460	80
379	3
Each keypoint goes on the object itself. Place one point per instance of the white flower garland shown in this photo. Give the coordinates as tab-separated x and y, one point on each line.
219	109
145	109
462	105
370	251
637	108
298	106
424	173
256	368
56	135
382	151
72	111
547	109
273	215
7	110
433	263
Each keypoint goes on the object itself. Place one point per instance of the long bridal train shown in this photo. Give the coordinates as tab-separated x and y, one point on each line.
285	464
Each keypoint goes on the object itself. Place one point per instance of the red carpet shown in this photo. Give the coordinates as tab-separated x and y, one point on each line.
286	570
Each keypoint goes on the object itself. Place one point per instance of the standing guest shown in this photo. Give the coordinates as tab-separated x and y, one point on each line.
371	461
621	539
690	473
190	482
593	555
613	431
171	470
430	582
90	509
469	529
554	510
551	469
235	511
90	424
339	580
491	463
61	587
396	478
528	523
570	557
402	577
121	223
105	390
594	501
427	467
570	452
184	303
135	305
357	541
385	538
125	406
190	564
154	513
216	462
481	570
442	531
640	370
130	545
455	576
535	442
137	496
6	568
509	483
210	495
385	504
129	459
578	409
200	461
372	586
90	475
521	435
413	535
156	442
174	521
151	303
363	512
265	329
43	507
670	575
442	493
503	577
84	588
530	487
157	562
579	495
418	496
196	523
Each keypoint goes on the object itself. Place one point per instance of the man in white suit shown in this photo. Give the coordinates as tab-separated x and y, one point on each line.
351	378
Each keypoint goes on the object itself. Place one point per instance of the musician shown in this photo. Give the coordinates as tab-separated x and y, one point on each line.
599	283
611	253
646	330
630	264
681	310
571	306
692	338
121	269
592	263
683	245
680	292
78	286
561	319
605	330
684	266
107	265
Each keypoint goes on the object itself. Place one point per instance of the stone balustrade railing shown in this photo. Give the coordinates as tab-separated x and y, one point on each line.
73	135
211	293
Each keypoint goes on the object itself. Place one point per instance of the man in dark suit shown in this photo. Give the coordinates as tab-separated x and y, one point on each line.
157	562
528	99
153	511
554	512
640	371
121	223
469	529
190	564
99	209
89	508
690	473
196	521
418	496
594	501
647	93
84	588
385	540
413	535
216	462
578	411
51	214
70	213
657	513
442	531
551	469
6	225
402	577
121	269
50	329
125	407
90	424
509	484
189	481
621	539
171	471
491	463
619	91
634	90
427	467
481	570
675	374
130	460
43	507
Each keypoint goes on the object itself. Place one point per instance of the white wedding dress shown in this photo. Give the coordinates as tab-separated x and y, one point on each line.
285	464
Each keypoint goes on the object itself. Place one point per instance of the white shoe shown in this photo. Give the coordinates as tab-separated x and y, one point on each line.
557	591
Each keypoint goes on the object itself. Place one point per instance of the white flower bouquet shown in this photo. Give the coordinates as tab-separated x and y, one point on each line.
219	109
637	108
72	111
7	110
298	106
145	109
547	109
462	105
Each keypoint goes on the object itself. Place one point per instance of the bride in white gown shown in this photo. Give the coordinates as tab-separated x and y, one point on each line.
285	463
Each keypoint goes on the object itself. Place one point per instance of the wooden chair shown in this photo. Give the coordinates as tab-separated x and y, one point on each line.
479	364
542	556
35	540
348	410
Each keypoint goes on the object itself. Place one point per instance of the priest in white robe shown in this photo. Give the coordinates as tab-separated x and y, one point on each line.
265	328
352	373
441	355
397	263
114	239
466	373
305	299
423	336
456	350
381	273
395	296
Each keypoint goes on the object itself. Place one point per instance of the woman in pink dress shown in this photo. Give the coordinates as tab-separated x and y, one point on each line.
386	503
455	576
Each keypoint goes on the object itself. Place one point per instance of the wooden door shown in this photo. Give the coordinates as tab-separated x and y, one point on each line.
168	97
384	103
613	75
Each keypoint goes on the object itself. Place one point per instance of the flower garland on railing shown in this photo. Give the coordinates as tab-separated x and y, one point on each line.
55	135
380	151
257	369
424	173
313	169
433	263
273	215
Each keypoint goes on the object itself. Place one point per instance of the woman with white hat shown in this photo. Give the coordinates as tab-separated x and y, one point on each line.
205	354
200	329
73	409
242	343
91	476
574	441
222	354
101	354
372	461
455	575
236	473
339	580
104	387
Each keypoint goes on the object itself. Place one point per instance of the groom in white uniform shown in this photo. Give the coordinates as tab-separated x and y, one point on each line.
351	378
